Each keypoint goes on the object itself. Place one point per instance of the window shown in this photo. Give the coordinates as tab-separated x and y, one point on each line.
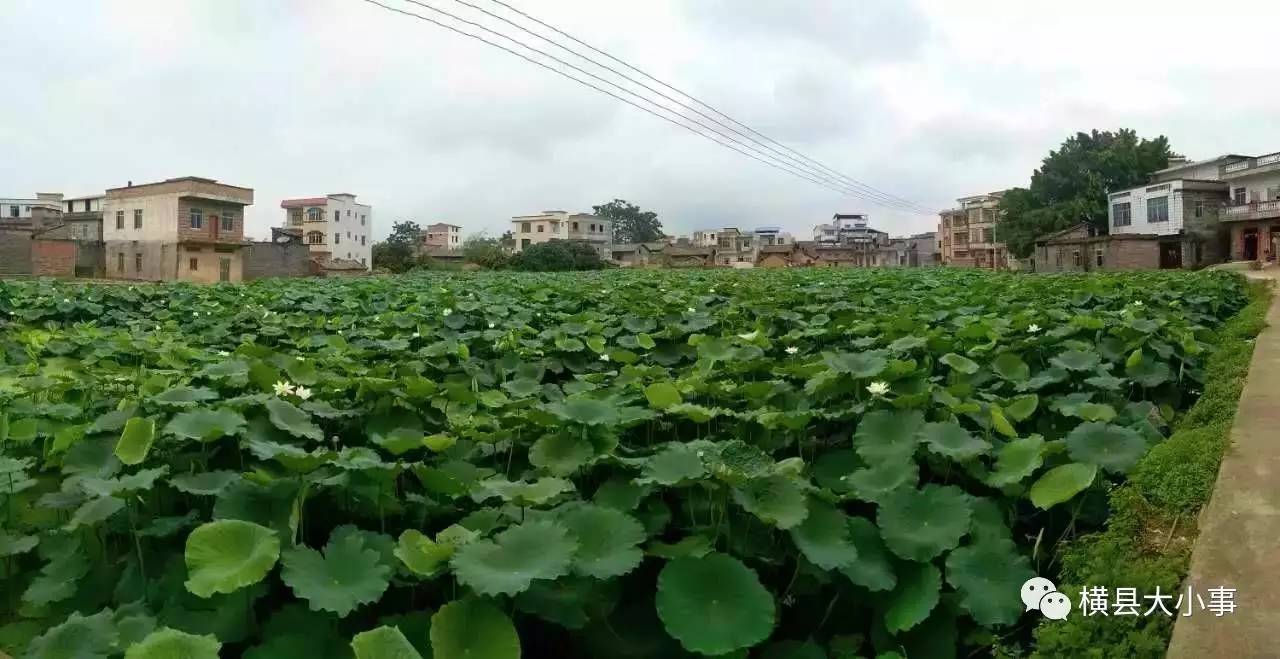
1199	208
119	220
1097	257
313	215
137	262
524	227
362	261
362	240
988	215
1122	214
336	216
13	211
1075	257
348	235
137	218
193	264
197	218
227	222
362	220
86	205
1057	257
315	238
540	228
524	242
120	262
1237	196
575	226
337	238
348	212
1158	209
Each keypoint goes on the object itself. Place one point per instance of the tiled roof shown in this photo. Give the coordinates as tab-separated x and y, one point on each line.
309	201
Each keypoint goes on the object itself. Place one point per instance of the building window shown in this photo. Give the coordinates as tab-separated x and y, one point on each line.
362	220
193	264
120	262
362	261
86	205
337	238
1199	208
524	227
337	216
197	218
226	222
348	212
1075	257
1097	257
575	226
13	211
137	262
313	215
362	240
137	218
1057	257
524	242
540	227
315	238
1122	214
1237	196
1158	209
119	220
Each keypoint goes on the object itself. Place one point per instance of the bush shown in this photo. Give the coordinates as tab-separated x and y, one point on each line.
558	256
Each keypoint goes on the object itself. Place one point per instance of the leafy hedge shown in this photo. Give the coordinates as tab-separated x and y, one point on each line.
626	464
1149	536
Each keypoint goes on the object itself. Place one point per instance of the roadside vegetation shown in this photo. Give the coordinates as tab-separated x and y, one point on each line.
796	463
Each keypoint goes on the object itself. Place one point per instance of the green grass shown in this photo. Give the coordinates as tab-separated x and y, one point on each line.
1151	529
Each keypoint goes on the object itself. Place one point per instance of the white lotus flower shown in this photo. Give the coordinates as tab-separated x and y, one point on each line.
878	388
283	388
447	311
491	325
1033	328
1137	303
604	357
712	290
417	335
750	336
300	359
791	350
223	353
303	393
66	299
692	310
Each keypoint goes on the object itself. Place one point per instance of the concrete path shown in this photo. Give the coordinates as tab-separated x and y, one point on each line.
1239	542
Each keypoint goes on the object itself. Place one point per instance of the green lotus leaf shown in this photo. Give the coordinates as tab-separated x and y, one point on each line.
950	439
12	545
776	500
1095	412
94	511
608	541
204	483
475	629
522	387
1061	483
1022	407
384	643
135	440
823	537
60	577
274	505
77	637
1010	366
112	421
989	576
292	420
1077	360
587	411
1114	448
662	395
416	627
877	482
858	364
173	644
206	425
570	602
515	557
915	596
832	469
886	435
560	454
522	493
621	494
873	568
185	396
920	524
421	555
714	604
960	363
693	545
349	573
736	462
1017	460
794	650
227	555
674	463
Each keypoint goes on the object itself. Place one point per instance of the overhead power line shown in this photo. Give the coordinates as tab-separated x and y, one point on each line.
758	139
701	129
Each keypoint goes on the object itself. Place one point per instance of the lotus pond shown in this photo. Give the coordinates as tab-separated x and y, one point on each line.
791	464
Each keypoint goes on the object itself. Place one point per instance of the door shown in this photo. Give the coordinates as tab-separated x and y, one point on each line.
1170	255
224	269
1251	244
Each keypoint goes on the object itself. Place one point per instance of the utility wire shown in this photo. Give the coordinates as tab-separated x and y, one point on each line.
786	153
842	187
728	145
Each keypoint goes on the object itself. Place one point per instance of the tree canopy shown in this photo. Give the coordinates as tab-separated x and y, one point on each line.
398	253
630	224
485	251
557	256
1072	182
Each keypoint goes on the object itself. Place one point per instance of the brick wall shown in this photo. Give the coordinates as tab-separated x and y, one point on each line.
15	253
1133	255
273	260
210	229
53	258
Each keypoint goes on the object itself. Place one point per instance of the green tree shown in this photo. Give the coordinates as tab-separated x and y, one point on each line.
630	224
485	252
398	253
558	256
1072	182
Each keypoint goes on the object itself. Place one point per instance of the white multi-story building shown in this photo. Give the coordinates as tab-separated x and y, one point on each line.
45	208
561	225
442	236
336	227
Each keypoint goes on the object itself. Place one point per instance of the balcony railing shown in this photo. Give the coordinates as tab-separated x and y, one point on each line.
1258	210
1268	162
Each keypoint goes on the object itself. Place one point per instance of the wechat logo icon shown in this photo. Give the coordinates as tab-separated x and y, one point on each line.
1040	594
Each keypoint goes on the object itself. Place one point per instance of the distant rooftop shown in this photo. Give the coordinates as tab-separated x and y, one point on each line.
308	201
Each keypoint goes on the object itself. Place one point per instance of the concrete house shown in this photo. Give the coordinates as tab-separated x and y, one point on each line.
560	225
1077	249
180	229
285	255
442	236
1252	211
1182	205
336	227
967	234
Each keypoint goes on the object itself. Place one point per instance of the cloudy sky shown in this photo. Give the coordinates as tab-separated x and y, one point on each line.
930	100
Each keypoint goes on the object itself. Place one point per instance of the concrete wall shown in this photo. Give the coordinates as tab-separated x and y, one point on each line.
350	229
211	214
159	260
272	260
159	218
210	263
1184	204
15	252
53	258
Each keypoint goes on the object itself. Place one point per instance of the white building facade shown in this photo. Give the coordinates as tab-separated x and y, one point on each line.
335	227
561	225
